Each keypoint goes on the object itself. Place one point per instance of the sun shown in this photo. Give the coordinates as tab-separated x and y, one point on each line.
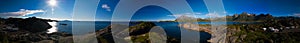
52	2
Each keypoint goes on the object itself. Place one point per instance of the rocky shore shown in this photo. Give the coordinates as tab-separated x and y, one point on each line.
196	27
28	30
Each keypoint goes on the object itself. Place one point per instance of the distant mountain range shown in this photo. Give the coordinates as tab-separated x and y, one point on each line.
243	17
249	17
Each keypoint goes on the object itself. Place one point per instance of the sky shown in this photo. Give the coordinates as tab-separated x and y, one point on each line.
63	9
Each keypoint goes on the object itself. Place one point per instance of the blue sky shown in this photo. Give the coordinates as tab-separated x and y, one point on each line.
64	9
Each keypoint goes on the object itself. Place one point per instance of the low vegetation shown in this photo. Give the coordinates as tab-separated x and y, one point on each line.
254	33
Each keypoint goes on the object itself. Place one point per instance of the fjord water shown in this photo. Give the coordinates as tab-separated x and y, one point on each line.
171	28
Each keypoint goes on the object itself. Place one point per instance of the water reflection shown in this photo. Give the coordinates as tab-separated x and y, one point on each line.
54	27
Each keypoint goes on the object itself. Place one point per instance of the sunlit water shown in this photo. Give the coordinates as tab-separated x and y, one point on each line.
54	27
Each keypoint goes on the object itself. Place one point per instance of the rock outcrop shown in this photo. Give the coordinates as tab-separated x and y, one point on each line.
29	30
31	24
138	33
196	27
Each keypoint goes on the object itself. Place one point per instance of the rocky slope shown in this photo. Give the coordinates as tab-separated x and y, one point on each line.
254	33
18	30
138	34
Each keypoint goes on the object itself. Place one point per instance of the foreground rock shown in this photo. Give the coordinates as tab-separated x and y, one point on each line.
31	24
29	30
196	27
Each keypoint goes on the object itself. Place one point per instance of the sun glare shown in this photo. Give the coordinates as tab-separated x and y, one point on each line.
52	2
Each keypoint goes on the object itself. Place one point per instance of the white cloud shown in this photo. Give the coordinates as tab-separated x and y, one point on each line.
22	12
212	14
297	14
198	13
186	14
216	14
179	15
105	6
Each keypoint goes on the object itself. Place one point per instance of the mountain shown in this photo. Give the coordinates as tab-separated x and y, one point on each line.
243	17
246	17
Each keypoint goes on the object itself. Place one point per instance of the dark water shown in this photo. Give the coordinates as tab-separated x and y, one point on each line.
171	28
